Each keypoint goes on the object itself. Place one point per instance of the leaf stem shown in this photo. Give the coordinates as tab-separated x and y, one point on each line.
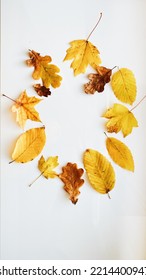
35	179
94	27
12	161
105	134
9	98
108	195
138	103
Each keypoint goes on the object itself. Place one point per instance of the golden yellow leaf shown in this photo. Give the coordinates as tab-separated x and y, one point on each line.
120	153
120	118
42	69
99	170
24	109
83	53
29	145
46	166
124	85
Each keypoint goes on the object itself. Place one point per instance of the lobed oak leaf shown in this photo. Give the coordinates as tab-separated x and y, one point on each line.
42	69
29	145
124	85
46	166
120	153
71	176
83	53
100	172
42	90
120	118
24	108
98	80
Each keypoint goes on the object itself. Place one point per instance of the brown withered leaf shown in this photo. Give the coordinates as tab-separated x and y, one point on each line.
42	90
98	80
71	177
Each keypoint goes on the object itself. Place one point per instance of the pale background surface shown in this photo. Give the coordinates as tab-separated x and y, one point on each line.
40	222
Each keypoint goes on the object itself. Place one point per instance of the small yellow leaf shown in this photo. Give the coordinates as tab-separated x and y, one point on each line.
124	85
46	166
120	118
83	52
24	108
120	153
99	170
29	145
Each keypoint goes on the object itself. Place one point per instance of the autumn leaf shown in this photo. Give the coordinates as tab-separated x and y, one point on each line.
46	166
24	109
84	53
124	85
120	118
71	176
42	69
120	153
98	80
29	145
100	172
41	90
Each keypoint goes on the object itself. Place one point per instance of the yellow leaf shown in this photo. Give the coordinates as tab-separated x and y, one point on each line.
83	52
24	109
29	145
124	85
120	118
99	170
46	166
42	69
120	153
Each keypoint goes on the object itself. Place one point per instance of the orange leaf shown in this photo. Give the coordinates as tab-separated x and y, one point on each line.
71	177
44	70
24	108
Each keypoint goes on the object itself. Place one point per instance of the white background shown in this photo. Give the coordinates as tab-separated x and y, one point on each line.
40	222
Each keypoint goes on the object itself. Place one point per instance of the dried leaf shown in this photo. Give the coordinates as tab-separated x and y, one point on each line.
24	108
44	70
120	153
71	177
83	53
120	118
98	81
29	145
41	90
46	166
100	171
124	85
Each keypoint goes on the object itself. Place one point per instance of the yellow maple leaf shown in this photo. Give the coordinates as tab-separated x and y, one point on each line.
84	53
24	108
120	118
99	170
29	145
120	153
42	69
46	166
124	85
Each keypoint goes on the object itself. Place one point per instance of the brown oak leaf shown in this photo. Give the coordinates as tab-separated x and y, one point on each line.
98	80
42	90
71	176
